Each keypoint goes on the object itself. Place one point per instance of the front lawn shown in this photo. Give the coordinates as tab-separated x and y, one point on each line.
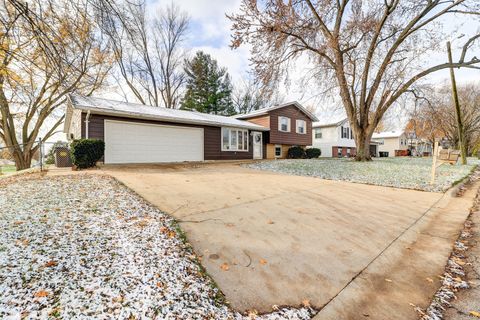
7	169
409	173
86	247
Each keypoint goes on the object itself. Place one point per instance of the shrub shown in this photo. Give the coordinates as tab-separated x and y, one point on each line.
86	152
296	152
313	153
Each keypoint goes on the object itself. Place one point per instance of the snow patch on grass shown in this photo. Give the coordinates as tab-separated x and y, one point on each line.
85	246
408	173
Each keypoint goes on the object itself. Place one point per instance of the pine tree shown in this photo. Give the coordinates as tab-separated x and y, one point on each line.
209	88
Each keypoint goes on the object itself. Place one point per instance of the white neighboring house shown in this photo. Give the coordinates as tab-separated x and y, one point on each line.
390	142
334	138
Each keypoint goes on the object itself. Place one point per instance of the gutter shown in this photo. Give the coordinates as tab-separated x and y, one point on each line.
86	123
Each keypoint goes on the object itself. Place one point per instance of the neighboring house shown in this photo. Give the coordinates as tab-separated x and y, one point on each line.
420	147
135	133
391	143
334	138
289	125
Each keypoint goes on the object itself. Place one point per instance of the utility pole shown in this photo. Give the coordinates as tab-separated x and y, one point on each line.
463	150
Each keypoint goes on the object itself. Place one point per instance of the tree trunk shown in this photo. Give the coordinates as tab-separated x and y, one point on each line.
23	159
362	141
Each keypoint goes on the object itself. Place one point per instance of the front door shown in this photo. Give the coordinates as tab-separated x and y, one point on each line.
257	145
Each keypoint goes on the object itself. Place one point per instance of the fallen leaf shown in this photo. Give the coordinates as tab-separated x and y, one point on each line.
172	234
41	294
270	222
159	284
429	279
18	223
263	261
225	266
51	263
163	229
388	280
230	225
306	303
475	314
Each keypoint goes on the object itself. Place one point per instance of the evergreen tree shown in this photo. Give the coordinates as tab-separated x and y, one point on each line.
209	88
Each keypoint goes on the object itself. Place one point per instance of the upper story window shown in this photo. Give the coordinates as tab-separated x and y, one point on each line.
318	133
351	134
234	139
301	126
345	132
284	124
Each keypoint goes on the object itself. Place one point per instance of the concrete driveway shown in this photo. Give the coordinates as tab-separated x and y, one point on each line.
351	250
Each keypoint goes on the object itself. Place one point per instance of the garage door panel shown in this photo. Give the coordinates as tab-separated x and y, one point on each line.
127	142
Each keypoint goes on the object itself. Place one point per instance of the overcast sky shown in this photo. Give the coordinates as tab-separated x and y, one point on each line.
210	32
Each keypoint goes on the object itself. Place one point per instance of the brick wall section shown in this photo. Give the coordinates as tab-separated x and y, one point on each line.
212	136
353	151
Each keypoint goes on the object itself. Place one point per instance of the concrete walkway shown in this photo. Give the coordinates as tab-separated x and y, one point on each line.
351	250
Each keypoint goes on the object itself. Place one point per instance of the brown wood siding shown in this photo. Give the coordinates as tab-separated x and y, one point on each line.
261	121
292	137
212	136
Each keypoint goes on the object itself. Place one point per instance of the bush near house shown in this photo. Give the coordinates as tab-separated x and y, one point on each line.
296	152
86	152
313	153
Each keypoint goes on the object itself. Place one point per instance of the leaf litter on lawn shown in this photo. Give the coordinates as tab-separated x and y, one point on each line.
88	247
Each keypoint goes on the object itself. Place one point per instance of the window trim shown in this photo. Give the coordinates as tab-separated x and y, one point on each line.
316	131
275	150
230	130
297	121
280	124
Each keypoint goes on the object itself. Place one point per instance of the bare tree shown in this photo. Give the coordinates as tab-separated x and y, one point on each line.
375	51
148	52
47	50
435	116
248	95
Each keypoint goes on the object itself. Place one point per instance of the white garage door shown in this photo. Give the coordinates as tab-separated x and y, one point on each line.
128	142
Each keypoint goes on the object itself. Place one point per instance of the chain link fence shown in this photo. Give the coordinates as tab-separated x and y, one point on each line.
44	154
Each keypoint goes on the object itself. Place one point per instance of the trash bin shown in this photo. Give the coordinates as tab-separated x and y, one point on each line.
62	157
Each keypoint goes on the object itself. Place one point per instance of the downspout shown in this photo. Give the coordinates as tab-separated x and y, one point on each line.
86	124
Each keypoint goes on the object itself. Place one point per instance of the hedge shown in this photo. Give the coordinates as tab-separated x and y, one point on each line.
296	152
86	152
313	153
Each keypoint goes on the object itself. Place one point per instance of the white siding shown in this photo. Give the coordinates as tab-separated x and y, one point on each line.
75	125
331	137
391	144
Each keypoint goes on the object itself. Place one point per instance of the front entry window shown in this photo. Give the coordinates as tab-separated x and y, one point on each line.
234	139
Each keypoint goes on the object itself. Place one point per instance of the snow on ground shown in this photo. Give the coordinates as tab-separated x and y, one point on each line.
409	173
85	246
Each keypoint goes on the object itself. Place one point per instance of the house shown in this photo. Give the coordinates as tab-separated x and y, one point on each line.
335	139
135	133
391	143
289	124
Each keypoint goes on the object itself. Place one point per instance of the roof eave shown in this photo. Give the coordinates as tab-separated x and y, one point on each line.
94	110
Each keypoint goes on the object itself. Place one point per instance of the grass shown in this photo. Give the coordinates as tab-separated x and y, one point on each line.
409	173
8	169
